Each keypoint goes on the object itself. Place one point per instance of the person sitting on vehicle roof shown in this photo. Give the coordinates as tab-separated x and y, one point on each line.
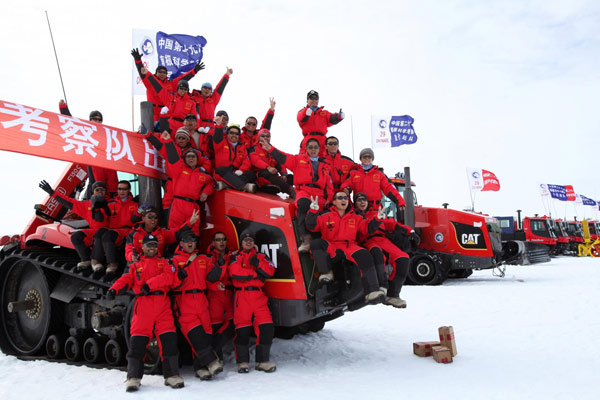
220	295
106	240
267	169
232	165
149	278
191	186
340	165
339	227
315	120
382	249
249	138
248	270
96	212
193	273
370	180
157	86
208	100
311	178
179	105
149	225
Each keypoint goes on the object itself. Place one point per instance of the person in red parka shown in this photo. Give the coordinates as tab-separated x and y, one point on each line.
340	165
208	100
249	138
157	85
248	270
339	228
191	186
149	225
183	143
96	212
368	179
232	165
179	105
315	120
220	295
106	240
382	249
150	280
193	272
267	169
312	180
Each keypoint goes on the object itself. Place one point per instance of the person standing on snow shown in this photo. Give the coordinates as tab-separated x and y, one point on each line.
150	280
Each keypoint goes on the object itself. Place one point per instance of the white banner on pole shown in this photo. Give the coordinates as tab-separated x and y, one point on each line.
145	41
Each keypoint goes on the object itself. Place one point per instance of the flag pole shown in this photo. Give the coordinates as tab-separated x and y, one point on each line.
56	56
352	136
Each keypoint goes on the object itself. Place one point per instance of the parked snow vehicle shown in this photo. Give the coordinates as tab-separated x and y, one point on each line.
562	237
49	309
575	232
534	234
589	247
453	243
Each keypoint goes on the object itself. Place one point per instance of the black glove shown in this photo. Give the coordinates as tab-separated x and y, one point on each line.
110	295
182	274
199	66
45	186
143	130
414	238
146	289
254	261
136	54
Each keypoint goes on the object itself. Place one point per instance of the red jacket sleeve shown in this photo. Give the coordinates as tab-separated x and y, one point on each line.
257	162
390	191
125	282
163	281
239	273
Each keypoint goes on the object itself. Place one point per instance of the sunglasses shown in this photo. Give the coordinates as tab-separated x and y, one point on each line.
265	136
122	188
220	239
96	119
332	143
312	147
251	123
313	98
233	133
152	245
152	216
248	239
341	197
367	156
191	156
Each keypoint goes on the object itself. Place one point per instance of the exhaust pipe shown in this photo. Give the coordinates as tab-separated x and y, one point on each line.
409	211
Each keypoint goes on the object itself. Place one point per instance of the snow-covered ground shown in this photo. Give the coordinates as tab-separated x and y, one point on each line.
530	335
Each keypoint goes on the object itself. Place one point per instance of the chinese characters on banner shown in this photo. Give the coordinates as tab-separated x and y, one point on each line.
558	192
178	53
570	193
544	192
482	180
46	134
392	131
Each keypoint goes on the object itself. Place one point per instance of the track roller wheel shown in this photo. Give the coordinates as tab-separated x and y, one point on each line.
93	349
73	348
114	353
55	347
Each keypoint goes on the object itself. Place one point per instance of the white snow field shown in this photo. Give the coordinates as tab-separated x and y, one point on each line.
530	335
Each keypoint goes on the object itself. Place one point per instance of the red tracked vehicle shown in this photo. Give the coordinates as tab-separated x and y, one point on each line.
536	233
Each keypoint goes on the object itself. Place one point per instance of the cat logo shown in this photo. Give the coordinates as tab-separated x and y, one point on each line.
470	239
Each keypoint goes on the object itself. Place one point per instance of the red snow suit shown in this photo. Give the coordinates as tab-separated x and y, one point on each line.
84	210
248	280
372	183
341	232
207	106
252	140
152	313
156	90
226	155
340	168
123	218
220	302
133	244
380	239
190	294
179	107
307	183
315	126
188	185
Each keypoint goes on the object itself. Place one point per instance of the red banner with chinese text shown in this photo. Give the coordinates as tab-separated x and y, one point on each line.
490	181
570	193
46	134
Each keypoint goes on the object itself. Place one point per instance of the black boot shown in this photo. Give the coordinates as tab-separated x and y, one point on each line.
135	355
170	360
242	347
263	348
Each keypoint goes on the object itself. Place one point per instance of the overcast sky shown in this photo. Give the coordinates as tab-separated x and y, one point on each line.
507	86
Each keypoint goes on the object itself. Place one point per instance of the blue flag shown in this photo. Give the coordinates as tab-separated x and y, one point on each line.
587	201
179	53
558	192
401	130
